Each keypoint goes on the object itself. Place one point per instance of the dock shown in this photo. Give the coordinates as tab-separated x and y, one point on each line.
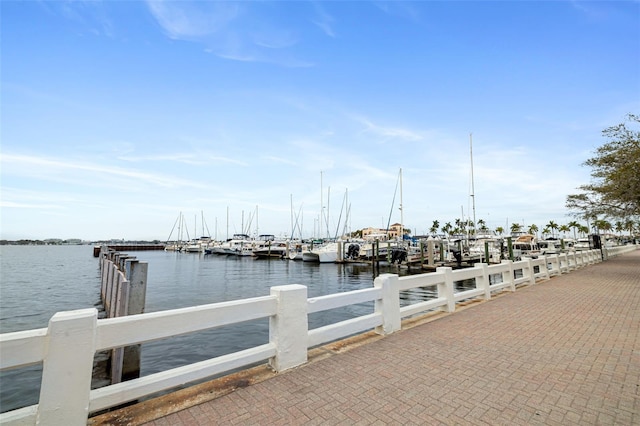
572	357
128	247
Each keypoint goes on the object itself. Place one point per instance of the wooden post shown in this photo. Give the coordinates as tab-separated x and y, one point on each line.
136	273
486	252
117	354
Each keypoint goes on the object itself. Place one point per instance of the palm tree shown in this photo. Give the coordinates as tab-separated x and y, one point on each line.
516	227
583	229
471	226
619	226
460	226
434	227
553	226
499	230
483	226
564	229
446	228
605	225
533	229
575	225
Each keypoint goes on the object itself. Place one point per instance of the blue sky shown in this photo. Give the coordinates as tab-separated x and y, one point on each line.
119	115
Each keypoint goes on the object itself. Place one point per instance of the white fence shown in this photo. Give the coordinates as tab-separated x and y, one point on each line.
67	347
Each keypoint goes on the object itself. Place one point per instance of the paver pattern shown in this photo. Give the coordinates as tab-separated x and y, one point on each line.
562	352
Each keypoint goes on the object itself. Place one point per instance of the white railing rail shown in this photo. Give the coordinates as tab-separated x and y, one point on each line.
67	346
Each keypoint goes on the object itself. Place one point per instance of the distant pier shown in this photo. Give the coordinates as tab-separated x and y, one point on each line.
129	247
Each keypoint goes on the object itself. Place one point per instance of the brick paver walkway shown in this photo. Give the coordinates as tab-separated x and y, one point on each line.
562	352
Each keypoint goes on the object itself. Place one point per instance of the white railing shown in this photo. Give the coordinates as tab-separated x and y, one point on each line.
67	347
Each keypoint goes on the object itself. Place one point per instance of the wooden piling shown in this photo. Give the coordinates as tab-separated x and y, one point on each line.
123	292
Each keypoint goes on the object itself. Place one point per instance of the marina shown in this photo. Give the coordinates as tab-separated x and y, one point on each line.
351	313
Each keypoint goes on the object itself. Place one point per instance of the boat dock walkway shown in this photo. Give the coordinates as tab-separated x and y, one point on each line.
561	352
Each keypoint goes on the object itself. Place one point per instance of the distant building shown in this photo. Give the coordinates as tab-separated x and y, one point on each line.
395	231
392	233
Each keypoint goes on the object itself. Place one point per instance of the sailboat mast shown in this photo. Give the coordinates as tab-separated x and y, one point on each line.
326	219
321	207
473	197
401	211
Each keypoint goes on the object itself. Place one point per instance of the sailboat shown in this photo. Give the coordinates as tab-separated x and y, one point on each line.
327	251
179	243
485	243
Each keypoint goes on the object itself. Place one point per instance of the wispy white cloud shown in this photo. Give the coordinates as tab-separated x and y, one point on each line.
280	160
194	159
324	20
89	16
18	205
188	20
390	132
401	9
43	166
229	30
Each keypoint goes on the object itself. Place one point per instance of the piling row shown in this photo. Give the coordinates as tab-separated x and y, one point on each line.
123	292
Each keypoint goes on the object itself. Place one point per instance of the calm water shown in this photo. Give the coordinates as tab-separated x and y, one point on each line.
38	281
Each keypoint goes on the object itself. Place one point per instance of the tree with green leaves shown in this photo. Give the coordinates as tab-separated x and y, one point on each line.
583	229
499	230
602	225
434	227
615	188
574	225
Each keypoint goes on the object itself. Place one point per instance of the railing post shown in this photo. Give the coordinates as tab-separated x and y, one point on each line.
564	263
545	268
67	368
555	265
389	305
482	279
288	328
532	275
507	276
445	288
